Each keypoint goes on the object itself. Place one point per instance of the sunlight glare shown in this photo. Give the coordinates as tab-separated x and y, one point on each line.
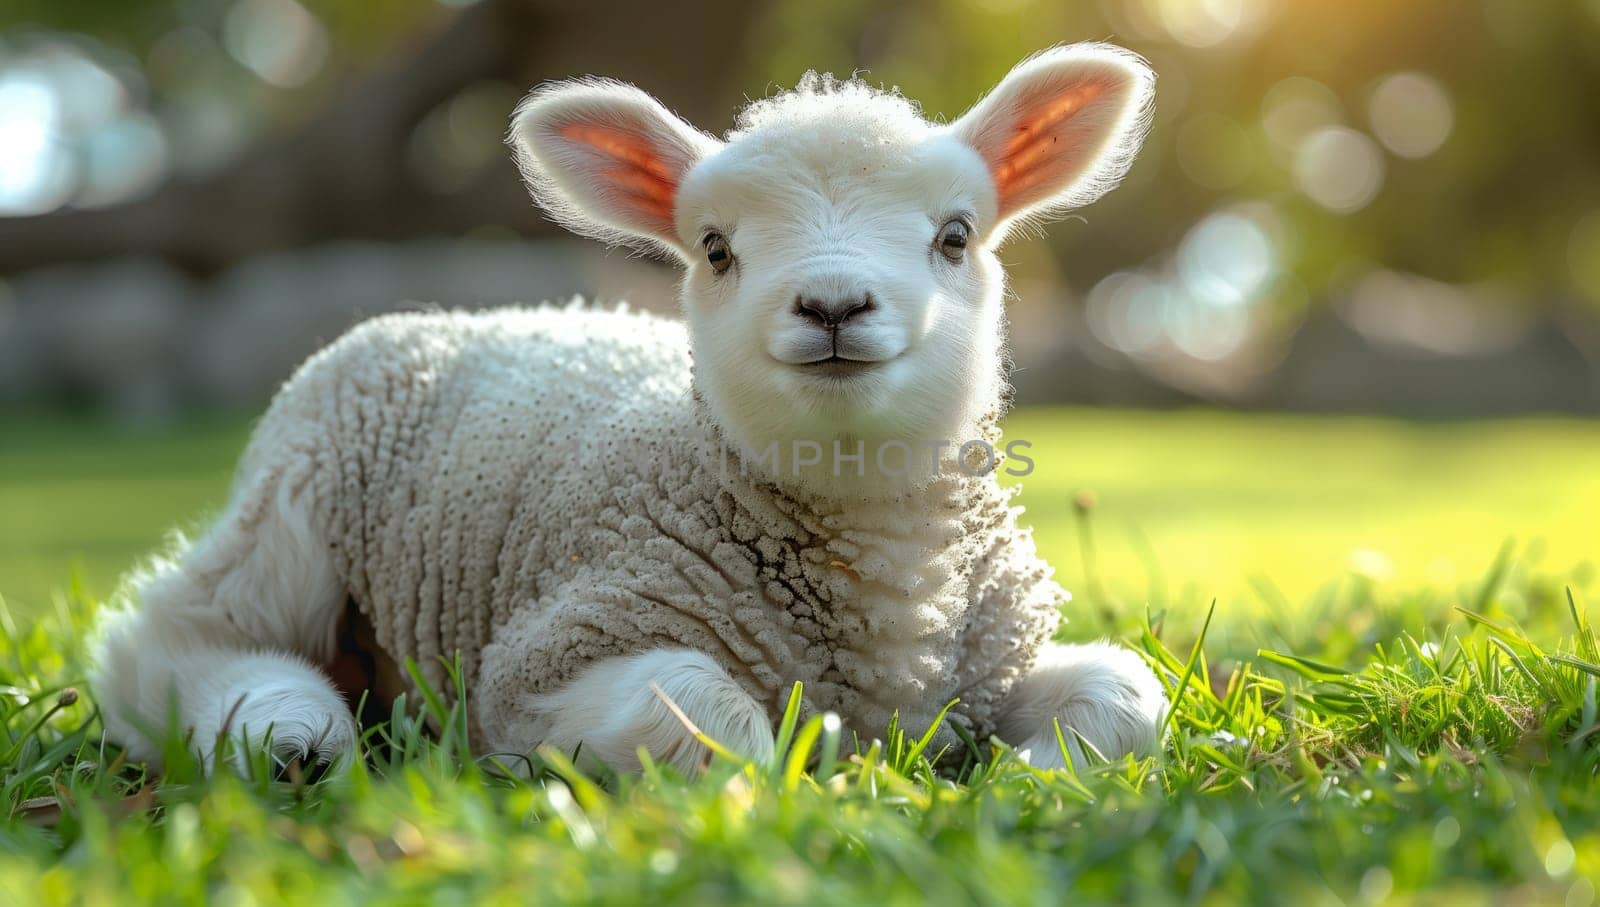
35	175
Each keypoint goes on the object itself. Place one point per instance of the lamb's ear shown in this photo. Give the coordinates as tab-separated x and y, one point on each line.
1061	128
605	159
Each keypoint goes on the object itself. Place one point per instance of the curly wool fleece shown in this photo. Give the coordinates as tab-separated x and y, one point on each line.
477	504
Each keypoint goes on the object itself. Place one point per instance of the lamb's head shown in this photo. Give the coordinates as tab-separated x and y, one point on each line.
841	279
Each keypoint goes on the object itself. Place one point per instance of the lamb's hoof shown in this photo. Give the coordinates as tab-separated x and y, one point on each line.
300	726
300	771
303	757
1108	702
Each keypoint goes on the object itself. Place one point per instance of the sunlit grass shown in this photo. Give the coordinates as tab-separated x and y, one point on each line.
1343	733
1457	763
1196	505
1190	506
89	497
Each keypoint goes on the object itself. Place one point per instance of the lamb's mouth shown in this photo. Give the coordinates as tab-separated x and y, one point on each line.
839	367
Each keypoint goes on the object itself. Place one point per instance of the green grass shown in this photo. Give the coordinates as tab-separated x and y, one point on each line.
1191	505
1346	731
1195	505
89	498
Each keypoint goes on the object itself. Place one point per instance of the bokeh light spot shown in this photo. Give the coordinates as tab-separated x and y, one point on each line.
123	160
88	95
1206	23
1296	107
278	40
1339	168
1226	260
1125	311
1411	114
1208	332
35	170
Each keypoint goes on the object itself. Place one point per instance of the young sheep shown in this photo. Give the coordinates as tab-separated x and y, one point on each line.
593	505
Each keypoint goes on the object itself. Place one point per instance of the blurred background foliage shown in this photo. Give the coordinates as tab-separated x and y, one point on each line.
1369	206
1362	205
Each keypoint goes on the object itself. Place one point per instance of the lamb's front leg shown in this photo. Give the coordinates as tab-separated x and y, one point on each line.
611	709
1103	691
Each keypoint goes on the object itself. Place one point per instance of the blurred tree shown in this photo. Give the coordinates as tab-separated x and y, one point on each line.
1457	139
348	165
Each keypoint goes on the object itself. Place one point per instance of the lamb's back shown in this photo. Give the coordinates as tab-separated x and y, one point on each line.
454	449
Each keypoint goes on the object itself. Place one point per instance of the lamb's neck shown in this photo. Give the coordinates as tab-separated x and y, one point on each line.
838	476
885	577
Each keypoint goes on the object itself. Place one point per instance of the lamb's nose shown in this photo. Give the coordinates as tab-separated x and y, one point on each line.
831	312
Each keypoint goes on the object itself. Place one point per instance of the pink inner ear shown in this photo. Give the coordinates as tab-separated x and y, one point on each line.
1034	155
638	176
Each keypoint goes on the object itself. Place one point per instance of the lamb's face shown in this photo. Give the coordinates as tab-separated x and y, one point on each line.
842	285
841	280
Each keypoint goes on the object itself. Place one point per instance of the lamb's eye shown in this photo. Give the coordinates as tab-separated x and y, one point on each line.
717	252
952	241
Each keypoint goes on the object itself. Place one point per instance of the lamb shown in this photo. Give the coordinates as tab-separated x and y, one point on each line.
600	510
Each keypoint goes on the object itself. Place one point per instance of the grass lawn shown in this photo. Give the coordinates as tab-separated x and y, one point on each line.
1394	700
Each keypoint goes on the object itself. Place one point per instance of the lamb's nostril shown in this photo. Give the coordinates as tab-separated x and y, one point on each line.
831	312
